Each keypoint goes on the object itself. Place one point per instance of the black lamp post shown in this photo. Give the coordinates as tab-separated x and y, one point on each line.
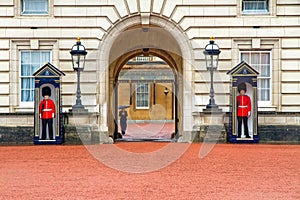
78	54
211	53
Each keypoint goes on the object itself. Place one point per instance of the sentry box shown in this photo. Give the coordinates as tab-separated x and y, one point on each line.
48	125
243	104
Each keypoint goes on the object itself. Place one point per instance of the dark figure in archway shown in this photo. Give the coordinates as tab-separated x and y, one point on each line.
123	120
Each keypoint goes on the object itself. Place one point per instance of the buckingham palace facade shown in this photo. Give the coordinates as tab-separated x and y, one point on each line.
152	49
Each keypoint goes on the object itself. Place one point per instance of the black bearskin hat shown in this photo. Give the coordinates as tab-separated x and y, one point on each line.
242	86
46	91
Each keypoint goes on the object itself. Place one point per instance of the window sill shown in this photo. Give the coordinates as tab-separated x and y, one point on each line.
142	108
255	13
266	108
24	109
34	15
41	13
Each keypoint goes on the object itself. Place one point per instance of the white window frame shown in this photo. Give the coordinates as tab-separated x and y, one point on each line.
33	12
256	11
262	103
29	104
142	59
137	85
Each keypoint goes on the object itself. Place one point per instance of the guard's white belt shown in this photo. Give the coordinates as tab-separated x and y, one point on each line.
47	109
243	106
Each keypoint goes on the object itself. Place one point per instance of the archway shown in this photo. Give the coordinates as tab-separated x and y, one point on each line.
128	39
157	117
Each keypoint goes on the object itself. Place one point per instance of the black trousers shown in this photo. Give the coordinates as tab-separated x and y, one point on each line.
245	122
46	122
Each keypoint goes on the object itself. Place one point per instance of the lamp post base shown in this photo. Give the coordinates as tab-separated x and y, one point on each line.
212	108
78	109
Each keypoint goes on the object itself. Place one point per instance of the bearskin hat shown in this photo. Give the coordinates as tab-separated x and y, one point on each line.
242	86
46	91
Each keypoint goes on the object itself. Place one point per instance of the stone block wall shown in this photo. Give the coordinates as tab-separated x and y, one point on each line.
272	128
18	129
209	133
279	134
16	135
23	135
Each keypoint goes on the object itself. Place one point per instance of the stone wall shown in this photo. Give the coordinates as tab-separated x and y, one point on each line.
23	135
78	129
16	135
95	19
19	135
273	128
279	134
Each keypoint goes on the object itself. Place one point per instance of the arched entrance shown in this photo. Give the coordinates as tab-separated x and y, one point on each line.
128	39
156	81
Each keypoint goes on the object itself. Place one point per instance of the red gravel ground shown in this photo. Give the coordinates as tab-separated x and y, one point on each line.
229	171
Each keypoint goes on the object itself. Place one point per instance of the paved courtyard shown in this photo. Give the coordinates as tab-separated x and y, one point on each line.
224	171
149	130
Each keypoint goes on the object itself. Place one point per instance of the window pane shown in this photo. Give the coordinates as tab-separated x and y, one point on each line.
265	58
45	57
25	70
265	71
264	94
255	58
35	57
142	95
245	57
255	5
25	57
35	7
261	62
264	83
27	89
265	65
34	67
264	89
30	62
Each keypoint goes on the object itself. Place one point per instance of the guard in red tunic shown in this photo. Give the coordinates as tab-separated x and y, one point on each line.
243	109
47	113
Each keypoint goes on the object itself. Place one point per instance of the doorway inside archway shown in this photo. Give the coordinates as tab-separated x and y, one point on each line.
145	100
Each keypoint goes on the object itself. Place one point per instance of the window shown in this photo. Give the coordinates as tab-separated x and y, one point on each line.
142	58
260	61
30	62
142	95
255	6
35	7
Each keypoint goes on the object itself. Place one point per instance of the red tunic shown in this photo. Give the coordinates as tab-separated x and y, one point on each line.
47	109
243	105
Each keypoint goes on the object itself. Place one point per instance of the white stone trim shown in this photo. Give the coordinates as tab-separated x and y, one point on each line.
186	53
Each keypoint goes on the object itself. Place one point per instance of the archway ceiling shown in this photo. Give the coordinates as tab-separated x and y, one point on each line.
137	38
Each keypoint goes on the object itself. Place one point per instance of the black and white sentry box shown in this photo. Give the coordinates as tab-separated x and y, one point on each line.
48	125
243	104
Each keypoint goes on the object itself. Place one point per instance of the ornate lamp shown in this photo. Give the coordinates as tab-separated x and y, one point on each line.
78	54
211	53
